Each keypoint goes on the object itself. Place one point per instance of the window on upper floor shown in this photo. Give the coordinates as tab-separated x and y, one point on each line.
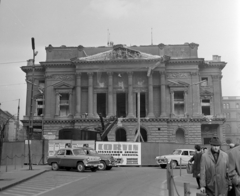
204	81
39	107
179	102
227	105
41	84
228	115
224	106
237	105
206	107
64	104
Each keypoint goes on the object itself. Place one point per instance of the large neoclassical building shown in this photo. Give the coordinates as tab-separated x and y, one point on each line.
180	94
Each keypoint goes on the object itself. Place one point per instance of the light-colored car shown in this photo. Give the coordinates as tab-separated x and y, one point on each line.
174	159
74	158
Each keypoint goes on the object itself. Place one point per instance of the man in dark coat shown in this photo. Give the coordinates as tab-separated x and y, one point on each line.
214	168
234	168
196	165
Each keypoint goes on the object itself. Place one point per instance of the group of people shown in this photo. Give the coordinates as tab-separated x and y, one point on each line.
217	172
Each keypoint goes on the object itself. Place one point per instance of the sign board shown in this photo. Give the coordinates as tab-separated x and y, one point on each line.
125	153
81	143
55	145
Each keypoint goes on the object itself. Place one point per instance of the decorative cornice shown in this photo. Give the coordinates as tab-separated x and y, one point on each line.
60	76
186	61
127	120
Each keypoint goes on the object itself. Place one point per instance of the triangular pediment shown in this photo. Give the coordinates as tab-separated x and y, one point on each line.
62	85
119	52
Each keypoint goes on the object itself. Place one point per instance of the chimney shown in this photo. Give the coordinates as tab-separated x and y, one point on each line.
216	58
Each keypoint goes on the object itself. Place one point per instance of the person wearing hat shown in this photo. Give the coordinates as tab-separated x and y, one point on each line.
214	168
234	168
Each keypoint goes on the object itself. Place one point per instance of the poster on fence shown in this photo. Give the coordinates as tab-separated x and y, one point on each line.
55	145
125	153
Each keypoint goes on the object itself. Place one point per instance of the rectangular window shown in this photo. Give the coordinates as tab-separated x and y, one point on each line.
206	107
121	104
179	102
101	104
64	104
204	81
39	107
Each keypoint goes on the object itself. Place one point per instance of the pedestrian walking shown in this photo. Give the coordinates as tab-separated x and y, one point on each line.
196	164
234	169
214	168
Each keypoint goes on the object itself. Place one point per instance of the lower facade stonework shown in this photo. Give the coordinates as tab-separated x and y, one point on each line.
182	131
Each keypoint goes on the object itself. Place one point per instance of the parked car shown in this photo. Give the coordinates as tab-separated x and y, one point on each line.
74	158
107	161
174	159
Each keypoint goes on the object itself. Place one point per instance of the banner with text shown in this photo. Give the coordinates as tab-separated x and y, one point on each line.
125	153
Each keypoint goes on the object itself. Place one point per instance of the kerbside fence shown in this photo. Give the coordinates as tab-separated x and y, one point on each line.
126	153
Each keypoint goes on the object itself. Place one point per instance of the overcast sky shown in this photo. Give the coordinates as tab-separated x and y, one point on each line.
213	24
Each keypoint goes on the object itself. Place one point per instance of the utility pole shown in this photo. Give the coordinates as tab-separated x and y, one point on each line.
30	129
17	128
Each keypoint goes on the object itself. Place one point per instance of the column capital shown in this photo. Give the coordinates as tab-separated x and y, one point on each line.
216	77
194	73
130	73
109	73
90	73
78	74
162	72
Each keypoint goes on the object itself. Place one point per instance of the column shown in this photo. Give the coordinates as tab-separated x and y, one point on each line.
70	103
172	103
163	94
57	104
150	97
195	93
130	96
185	103
90	94
78	95
110	94
216	94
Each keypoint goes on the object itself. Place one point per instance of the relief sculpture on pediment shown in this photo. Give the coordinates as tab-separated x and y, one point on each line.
178	75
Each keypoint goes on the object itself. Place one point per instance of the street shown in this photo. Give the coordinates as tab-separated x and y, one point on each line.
120	181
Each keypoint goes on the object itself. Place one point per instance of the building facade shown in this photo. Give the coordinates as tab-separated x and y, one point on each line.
178	94
231	111
13	128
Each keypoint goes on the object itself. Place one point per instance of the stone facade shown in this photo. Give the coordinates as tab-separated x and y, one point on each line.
179	93
231	111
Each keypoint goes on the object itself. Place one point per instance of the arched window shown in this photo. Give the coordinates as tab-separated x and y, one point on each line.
121	135
143	133
180	136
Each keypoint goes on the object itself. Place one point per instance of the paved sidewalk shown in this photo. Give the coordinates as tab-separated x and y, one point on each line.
20	174
180	179
15	176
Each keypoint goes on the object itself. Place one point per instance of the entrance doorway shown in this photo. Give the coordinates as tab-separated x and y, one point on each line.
144	135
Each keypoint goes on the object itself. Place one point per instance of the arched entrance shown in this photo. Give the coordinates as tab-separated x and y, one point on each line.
144	134
180	136
121	135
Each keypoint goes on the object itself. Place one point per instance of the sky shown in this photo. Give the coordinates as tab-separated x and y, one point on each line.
213	24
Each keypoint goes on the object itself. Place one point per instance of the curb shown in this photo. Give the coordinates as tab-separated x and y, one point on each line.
23	180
